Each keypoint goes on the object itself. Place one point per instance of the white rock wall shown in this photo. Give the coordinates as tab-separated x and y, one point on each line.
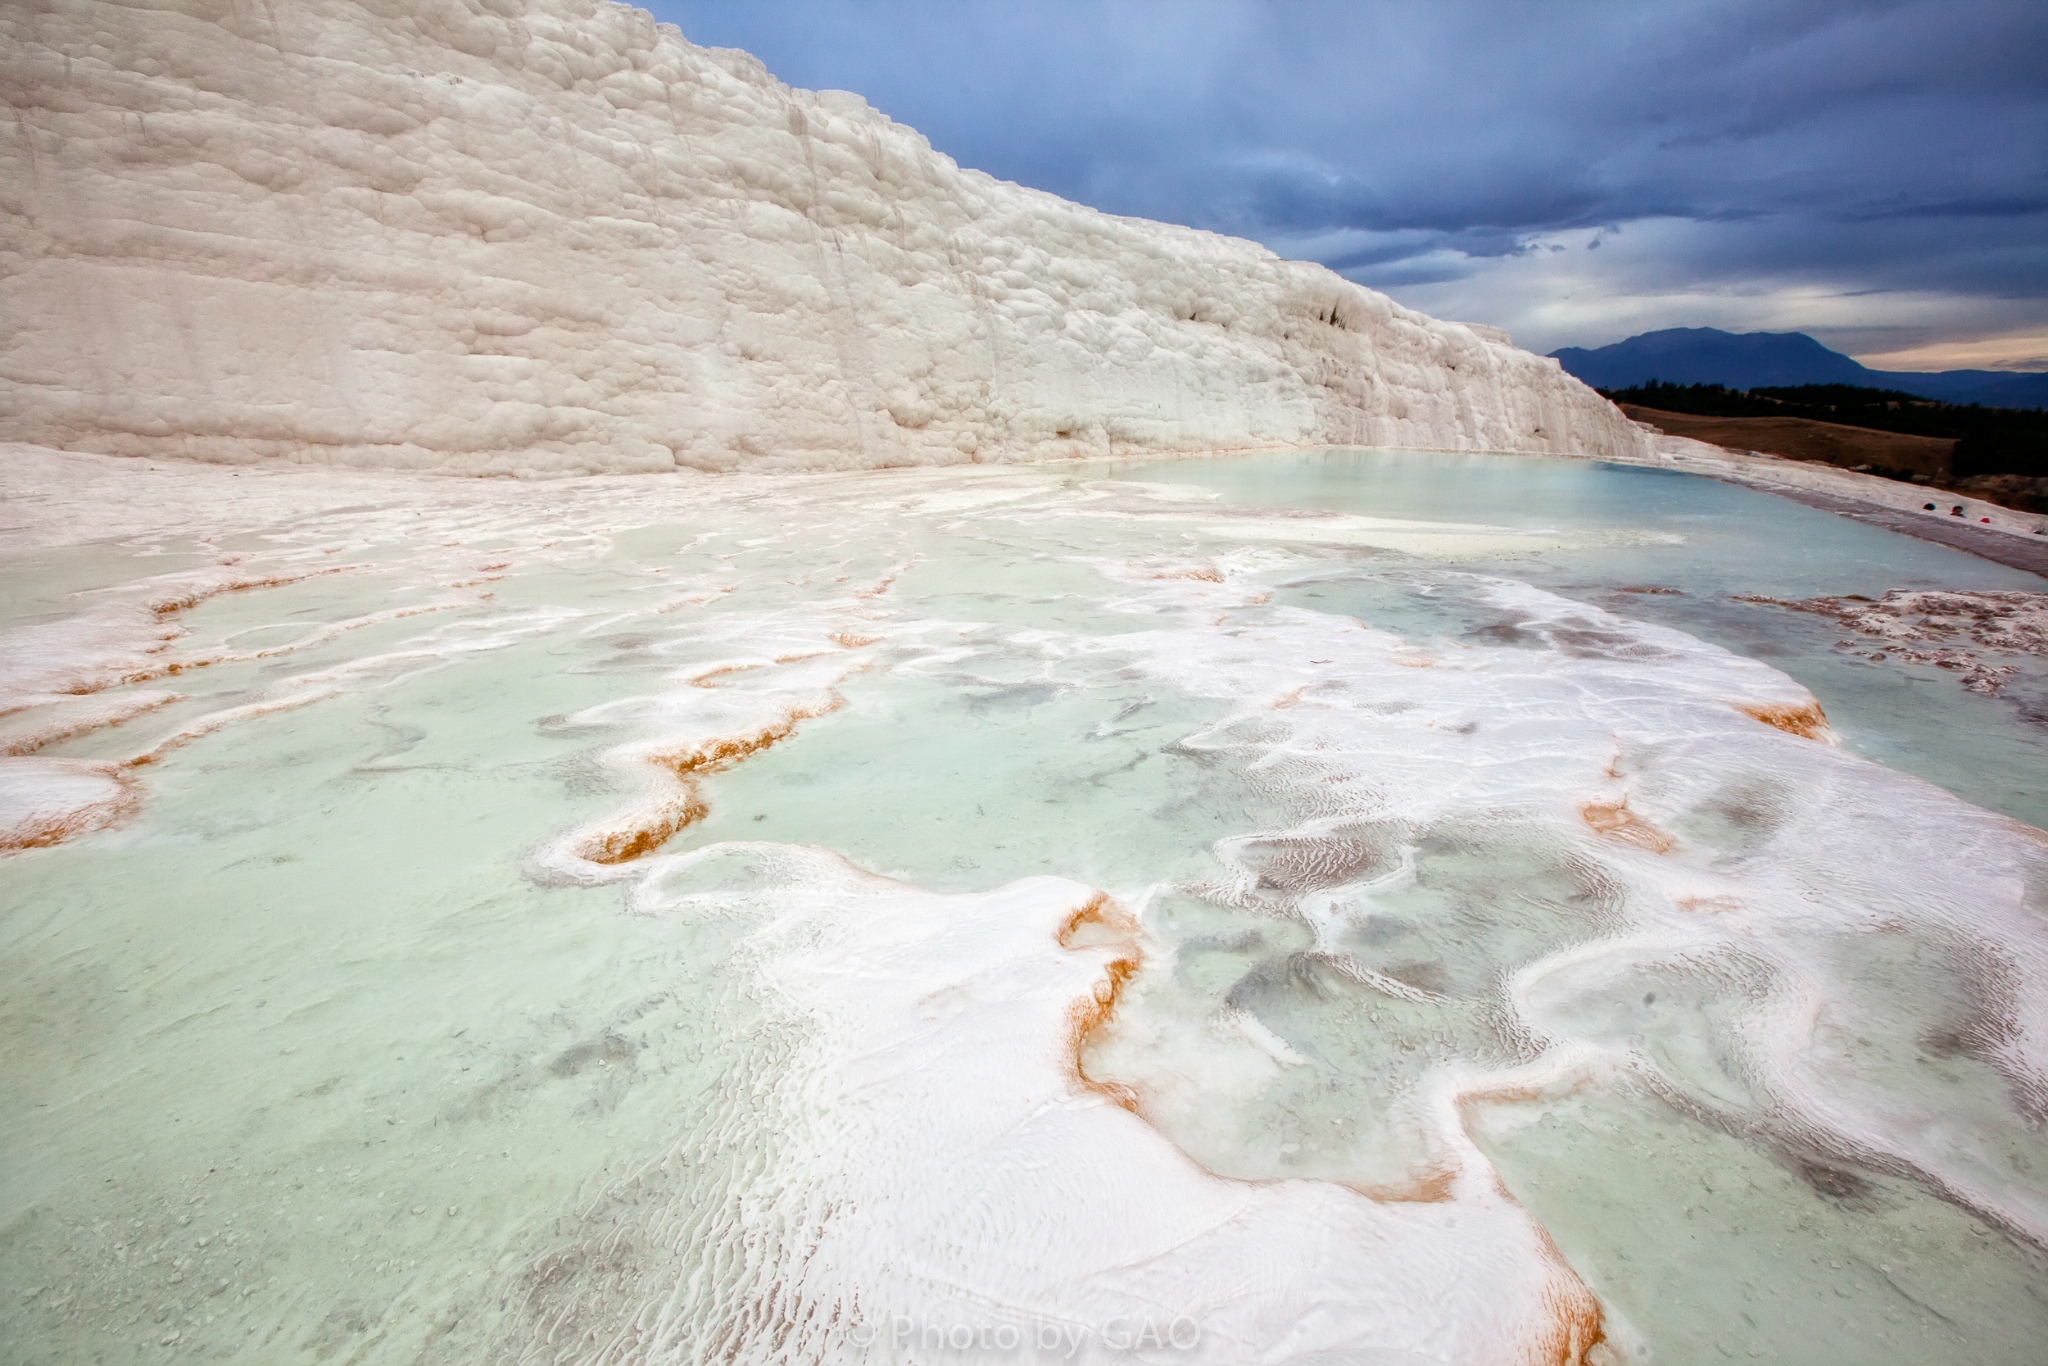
551	236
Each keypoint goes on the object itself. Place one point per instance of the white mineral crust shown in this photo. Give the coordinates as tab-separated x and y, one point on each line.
553	237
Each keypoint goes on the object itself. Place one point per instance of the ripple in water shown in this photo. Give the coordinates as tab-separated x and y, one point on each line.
1364	907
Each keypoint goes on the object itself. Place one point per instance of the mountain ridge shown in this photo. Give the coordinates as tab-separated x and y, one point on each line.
1750	360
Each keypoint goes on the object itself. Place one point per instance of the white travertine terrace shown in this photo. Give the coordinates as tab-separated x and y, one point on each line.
552	237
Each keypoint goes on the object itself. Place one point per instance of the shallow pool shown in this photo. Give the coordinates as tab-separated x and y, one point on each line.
1387	906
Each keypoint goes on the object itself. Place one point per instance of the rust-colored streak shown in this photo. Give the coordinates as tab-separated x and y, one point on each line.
731	749
165	670
29	744
1101	922
703	680
885	583
72	824
693	600
1574	1327
322	636
1806	719
623	846
847	640
657	825
1429	1186
171	606
1202	575
1616	822
163	608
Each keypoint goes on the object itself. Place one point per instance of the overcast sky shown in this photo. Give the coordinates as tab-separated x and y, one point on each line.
1573	170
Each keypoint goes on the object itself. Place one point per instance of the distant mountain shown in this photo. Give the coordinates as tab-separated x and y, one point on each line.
1992	388
1749	360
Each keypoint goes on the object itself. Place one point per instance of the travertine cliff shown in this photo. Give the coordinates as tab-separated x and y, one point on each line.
551	236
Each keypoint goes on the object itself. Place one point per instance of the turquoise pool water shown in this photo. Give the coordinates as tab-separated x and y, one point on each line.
649	920
1715	544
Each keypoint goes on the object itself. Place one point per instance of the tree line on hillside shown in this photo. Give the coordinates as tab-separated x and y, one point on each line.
1988	440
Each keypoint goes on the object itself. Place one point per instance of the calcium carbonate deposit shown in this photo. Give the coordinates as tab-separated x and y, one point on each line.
1328	907
1458	906
551	236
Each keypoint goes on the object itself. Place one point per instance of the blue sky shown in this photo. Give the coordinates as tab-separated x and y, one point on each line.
1574	170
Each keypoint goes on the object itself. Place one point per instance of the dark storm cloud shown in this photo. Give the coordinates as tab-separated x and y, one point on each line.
1868	145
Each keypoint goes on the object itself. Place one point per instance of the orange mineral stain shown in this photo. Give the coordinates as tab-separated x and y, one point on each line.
885	583
652	831
1616	822
81	820
1100	923
652	827
1806	720
1575	1326
1429	1186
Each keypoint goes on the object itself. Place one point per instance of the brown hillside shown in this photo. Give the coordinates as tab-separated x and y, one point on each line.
1802	438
